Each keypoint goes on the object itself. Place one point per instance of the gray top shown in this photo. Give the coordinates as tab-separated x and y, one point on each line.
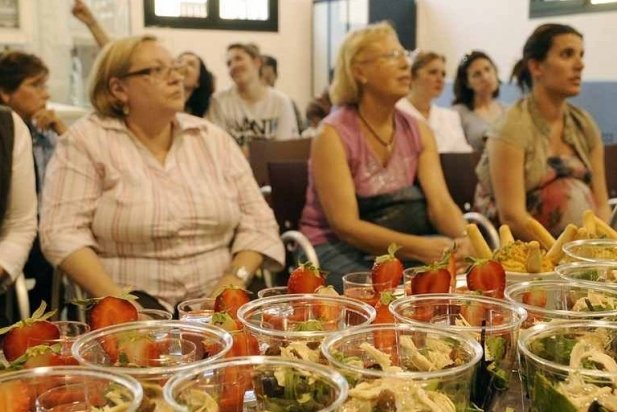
474	126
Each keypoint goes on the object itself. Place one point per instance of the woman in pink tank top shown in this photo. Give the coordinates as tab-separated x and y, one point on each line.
375	176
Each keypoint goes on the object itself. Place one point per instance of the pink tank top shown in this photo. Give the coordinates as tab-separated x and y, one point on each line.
370	177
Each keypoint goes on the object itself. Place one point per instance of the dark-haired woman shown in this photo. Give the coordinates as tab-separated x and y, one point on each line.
198	84
476	88
17	198
545	157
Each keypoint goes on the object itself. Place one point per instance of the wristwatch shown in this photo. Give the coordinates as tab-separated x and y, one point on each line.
241	273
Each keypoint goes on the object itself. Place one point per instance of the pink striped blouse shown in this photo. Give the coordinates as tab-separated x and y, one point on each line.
170	229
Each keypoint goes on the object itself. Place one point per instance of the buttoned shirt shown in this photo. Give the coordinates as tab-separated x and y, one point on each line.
169	228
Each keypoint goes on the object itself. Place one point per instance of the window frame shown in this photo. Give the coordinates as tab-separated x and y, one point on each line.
213	21
545	8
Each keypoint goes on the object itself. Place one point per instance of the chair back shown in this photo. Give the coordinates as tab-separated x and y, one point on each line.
262	152
610	164
289	181
459	170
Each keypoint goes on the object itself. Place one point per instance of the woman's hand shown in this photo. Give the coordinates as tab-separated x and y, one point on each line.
83	13
430	249
225	281
46	119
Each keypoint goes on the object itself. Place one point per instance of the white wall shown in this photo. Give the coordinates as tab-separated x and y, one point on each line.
500	27
291	46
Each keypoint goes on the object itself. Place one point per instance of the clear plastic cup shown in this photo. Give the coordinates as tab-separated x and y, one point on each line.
153	314
494	323
279	321
197	310
59	350
592	250
273	291
566	359
602	274
360	286
254	383
70	388
551	300
362	355
152	351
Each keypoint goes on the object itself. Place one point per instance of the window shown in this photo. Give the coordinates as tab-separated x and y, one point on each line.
254	15
544	8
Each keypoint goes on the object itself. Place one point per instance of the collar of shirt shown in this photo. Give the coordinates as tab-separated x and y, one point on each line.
182	123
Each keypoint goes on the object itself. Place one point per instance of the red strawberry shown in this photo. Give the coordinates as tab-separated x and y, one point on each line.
235	381
485	276
306	278
43	356
27	333
15	396
139	351
108	311
245	344
387	268
431	279
230	300
385	341
535	297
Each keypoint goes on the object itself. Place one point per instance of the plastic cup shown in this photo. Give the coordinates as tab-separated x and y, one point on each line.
273	291
598	274
353	354
153	314
197	310
592	250
254	383
71	388
552	300
360	286
60	349
494	323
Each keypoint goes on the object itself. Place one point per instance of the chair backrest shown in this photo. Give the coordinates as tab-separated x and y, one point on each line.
459	169
610	164
289	181
262	152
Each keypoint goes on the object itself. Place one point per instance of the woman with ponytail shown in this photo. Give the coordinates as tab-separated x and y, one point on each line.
544	158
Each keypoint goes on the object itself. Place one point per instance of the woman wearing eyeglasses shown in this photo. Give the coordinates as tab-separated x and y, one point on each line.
476	88
141	196
428	74
375	176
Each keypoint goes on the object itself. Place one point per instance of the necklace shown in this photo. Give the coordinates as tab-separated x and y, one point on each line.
383	142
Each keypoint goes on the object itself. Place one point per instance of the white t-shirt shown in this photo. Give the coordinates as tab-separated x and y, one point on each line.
19	227
269	118
445	124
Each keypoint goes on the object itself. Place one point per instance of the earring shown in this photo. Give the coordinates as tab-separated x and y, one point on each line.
363	81
125	109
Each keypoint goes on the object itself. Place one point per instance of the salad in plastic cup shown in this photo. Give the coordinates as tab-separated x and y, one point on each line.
404	367
571	366
592	250
152	352
68	388
257	383
551	300
602	274
494	323
293	326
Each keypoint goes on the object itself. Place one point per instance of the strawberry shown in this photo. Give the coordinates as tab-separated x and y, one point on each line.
431	279
230	299
535	297
244	344
485	276
140	351
109	310
329	313
306	278
15	396
27	333
474	313
225	321
235	381
385	341
387	268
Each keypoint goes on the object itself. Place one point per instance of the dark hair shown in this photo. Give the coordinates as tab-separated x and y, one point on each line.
463	94
250	48
536	48
269	61
17	66
199	102
319	106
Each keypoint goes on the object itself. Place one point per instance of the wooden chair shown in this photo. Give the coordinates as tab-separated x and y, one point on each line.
262	152
459	169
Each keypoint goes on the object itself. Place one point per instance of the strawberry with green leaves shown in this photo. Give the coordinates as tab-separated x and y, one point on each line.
486	276
109	310
387	268
306	278
230	299
28	333
385	340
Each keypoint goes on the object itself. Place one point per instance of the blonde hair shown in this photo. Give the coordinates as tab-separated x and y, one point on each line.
345	88
113	61
421	58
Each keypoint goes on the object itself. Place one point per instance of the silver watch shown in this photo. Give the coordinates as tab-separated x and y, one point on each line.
242	273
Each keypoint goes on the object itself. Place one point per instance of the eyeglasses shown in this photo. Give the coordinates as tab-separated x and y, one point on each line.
390	57
159	72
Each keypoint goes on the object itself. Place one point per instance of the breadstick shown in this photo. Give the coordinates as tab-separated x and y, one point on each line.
603	228
555	254
505	235
480	246
534	257
581	233
540	233
589	222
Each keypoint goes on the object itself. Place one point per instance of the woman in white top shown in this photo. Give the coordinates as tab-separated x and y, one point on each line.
249	109
427	80
17	200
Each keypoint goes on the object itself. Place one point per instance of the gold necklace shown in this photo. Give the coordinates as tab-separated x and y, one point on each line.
383	142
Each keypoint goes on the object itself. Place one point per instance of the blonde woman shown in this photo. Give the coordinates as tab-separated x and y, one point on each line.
375	176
